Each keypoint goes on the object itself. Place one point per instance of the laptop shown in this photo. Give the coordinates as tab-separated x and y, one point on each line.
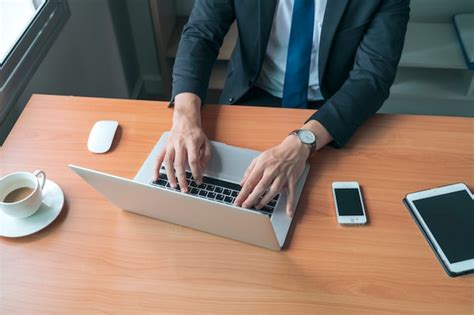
207	207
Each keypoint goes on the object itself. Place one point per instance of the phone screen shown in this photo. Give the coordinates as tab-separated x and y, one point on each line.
348	201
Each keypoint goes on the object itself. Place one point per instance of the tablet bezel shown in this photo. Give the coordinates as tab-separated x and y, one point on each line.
453	267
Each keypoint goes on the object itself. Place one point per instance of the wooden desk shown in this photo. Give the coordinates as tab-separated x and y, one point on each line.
97	258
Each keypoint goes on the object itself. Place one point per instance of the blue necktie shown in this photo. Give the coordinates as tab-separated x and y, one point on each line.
298	62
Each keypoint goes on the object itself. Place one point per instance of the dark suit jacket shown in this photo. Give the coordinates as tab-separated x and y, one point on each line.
360	47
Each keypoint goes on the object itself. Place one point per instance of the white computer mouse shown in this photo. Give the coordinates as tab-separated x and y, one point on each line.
102	136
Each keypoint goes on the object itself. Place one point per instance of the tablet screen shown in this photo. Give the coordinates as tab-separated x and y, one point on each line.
450	218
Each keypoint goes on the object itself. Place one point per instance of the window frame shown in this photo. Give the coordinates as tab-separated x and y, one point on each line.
26	55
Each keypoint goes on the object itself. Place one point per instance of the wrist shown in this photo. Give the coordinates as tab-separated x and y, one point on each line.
187	110
293	145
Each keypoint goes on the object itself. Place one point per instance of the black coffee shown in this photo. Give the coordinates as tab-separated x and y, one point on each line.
18	194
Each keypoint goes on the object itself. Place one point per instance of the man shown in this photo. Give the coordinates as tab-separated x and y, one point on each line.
339	56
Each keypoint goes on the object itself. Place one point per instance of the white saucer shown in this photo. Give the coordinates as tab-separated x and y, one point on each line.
53	201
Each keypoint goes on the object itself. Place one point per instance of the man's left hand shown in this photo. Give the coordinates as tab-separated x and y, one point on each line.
272	171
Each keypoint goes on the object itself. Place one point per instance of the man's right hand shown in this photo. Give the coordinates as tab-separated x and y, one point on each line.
186	143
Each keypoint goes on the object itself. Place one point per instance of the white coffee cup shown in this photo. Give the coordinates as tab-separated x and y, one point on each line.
30	203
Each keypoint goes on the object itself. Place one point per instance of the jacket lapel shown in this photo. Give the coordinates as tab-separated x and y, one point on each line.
332	16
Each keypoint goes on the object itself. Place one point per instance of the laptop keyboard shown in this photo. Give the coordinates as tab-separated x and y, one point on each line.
214	189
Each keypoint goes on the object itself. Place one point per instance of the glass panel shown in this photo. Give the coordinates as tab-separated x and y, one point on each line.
15	17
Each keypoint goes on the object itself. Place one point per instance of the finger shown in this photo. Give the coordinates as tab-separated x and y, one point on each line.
247	172
290	203
258	191
272	192
158	162
193	160
179	162
206	154
169	158
252	181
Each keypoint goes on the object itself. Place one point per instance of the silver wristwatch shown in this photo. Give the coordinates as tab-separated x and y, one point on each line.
306	137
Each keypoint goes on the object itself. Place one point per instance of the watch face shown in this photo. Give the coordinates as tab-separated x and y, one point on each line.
307	136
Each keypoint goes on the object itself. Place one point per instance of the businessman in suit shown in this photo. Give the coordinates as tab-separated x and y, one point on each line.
337	56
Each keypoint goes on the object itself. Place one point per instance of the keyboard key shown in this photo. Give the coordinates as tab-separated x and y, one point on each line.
194	191
227	192
193	184
210	188
218	190
234	193
203	193
229	199
221	183
211	195
163	176
276	197
220	197
168	185
202	186
188	175
272	203
161	182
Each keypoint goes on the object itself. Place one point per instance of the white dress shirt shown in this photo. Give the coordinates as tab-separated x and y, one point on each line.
272	75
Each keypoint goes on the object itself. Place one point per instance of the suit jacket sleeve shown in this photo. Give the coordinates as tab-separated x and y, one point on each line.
199	46
369	81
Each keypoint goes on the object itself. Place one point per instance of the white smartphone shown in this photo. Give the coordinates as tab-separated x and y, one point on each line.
349	206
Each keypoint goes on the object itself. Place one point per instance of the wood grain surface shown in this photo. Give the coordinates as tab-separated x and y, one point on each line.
96	258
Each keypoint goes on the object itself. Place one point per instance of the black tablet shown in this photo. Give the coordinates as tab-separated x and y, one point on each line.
445	215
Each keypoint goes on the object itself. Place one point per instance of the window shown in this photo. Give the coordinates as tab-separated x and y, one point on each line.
27	29
15	17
